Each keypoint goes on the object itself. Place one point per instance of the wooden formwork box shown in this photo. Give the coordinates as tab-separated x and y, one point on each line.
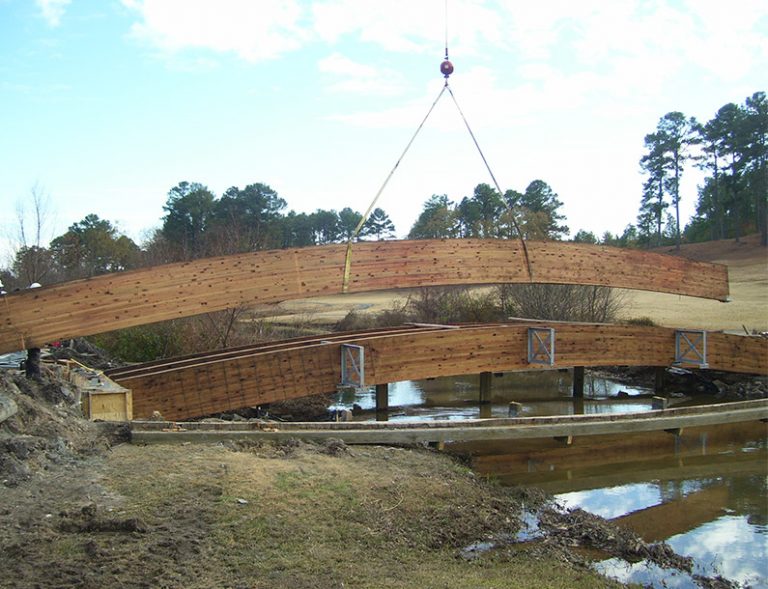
108	406
101	397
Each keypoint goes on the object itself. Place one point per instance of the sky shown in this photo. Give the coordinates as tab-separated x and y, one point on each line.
105	105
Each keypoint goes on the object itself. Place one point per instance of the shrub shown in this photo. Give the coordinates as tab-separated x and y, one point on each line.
642	321
561	302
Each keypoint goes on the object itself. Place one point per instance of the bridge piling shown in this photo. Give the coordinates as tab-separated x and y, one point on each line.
578	382
515	409
485	387
382	402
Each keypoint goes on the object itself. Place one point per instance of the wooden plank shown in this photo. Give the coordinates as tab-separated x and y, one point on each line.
527	428
285	372
33	317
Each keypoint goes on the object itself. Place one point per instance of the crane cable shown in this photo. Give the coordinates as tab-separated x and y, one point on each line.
496	184
348	260
446	68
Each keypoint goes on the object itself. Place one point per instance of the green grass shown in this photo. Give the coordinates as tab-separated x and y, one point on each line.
379	518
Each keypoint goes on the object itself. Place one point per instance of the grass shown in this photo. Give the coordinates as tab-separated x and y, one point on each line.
375	517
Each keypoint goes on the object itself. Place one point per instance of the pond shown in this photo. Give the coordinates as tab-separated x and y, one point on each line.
711	508
539	393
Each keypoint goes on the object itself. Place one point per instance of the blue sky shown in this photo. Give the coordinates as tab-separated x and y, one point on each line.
107	104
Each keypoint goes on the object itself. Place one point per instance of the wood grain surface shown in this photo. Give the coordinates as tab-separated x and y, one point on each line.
32	318
204	384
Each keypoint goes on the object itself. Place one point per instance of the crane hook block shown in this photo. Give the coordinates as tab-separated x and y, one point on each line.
446	68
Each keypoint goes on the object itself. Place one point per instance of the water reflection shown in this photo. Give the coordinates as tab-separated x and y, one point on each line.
538	393
719	521
613	501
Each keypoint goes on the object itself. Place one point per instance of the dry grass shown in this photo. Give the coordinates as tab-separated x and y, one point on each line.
748	275
300	518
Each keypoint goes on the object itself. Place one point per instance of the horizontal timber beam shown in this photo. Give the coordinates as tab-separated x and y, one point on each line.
199	385
444	431
31	318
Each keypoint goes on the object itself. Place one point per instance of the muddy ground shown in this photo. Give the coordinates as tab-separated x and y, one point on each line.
81	507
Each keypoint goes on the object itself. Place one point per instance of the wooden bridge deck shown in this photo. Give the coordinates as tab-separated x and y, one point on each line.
247	377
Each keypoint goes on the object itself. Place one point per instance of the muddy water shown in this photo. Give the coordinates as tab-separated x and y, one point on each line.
540	393
704	492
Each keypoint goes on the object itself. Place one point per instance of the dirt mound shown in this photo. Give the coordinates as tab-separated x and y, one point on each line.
47	429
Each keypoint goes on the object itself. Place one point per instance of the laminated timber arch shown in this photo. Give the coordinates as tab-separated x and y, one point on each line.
245	377
114	301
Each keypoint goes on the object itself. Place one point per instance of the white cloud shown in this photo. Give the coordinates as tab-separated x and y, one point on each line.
407	26
254	31
358	78
52	10
339	64
638	42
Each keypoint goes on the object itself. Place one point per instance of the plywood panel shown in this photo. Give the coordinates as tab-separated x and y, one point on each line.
114	301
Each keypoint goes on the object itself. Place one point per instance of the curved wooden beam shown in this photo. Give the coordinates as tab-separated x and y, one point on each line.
114	301
222	381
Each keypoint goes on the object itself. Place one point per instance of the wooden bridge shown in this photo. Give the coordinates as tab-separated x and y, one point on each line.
32	318
255	375
232	379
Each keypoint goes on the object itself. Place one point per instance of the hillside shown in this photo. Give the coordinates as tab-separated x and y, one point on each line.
748	274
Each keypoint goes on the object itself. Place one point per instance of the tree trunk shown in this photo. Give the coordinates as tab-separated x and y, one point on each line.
737	216
659	213
762	206
677	201
718	222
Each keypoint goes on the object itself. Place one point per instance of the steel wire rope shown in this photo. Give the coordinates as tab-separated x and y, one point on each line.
447	72
495	183
348	260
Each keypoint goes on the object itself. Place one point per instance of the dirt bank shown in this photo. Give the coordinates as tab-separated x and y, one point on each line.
80	508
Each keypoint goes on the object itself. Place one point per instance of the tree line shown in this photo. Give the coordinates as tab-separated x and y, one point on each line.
732	148
532	214
196	224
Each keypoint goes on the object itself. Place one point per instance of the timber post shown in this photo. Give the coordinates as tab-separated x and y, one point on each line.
485	387
382	402
578	382
660	373
32	363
